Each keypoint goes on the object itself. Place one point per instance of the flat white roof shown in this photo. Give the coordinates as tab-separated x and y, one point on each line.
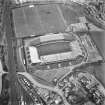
34	54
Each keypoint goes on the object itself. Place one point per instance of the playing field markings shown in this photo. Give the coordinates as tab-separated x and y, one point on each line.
39	18
61	14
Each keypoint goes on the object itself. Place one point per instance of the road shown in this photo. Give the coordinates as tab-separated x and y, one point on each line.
11	63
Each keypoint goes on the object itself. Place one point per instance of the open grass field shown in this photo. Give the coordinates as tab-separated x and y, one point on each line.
38	20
